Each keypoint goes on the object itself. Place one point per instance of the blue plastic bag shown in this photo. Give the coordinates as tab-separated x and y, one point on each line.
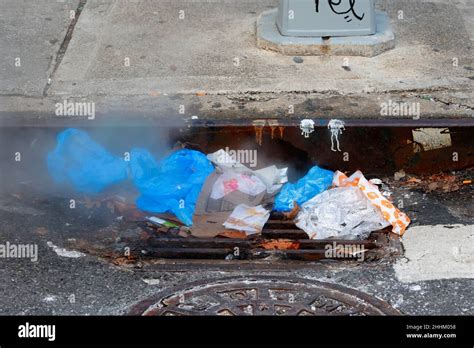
80	161
173	185
316	181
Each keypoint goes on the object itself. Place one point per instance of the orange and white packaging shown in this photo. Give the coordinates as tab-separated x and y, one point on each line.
392	214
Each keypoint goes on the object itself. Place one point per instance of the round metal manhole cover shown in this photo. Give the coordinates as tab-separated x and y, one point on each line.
262	296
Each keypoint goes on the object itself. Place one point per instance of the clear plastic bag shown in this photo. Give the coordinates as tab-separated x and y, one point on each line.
342	212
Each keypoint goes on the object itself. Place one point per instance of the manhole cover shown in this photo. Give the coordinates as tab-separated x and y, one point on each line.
262	296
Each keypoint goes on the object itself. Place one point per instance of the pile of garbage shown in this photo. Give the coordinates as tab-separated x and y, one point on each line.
214	192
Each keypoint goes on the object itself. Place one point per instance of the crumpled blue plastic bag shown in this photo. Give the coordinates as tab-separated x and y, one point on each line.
80	161
173	185
316	181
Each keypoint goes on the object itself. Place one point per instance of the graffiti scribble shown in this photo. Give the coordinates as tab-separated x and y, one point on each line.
336	8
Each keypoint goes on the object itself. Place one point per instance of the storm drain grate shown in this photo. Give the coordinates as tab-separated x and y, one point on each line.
263	295
281	239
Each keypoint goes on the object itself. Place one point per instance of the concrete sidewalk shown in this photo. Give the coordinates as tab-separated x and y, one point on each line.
140	56
31	34
197	53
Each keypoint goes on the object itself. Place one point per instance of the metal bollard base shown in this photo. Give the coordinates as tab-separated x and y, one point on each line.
270	38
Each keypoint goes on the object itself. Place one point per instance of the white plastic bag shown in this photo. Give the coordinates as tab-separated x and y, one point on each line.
226	162
342	212
272	177
229	182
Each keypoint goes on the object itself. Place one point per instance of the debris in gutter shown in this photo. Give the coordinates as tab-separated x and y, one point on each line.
436	182
123	261
220	197
392	214
314	182
229	182
376	181
87	165
64	252
280	244
233	234
247	219
290	215
160	222
151	281
384	189
271	177
173	184
399	175
342	212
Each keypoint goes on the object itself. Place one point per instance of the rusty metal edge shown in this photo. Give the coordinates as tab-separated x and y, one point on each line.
17	120
187	265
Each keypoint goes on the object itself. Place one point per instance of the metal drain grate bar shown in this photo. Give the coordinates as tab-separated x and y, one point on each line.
278	239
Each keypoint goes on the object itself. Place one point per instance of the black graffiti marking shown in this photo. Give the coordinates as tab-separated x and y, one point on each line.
334	3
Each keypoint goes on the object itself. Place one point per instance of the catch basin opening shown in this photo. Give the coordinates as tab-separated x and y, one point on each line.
109	223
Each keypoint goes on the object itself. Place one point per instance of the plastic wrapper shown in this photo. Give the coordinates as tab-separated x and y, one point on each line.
390	213
341	213
316	181
248	219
